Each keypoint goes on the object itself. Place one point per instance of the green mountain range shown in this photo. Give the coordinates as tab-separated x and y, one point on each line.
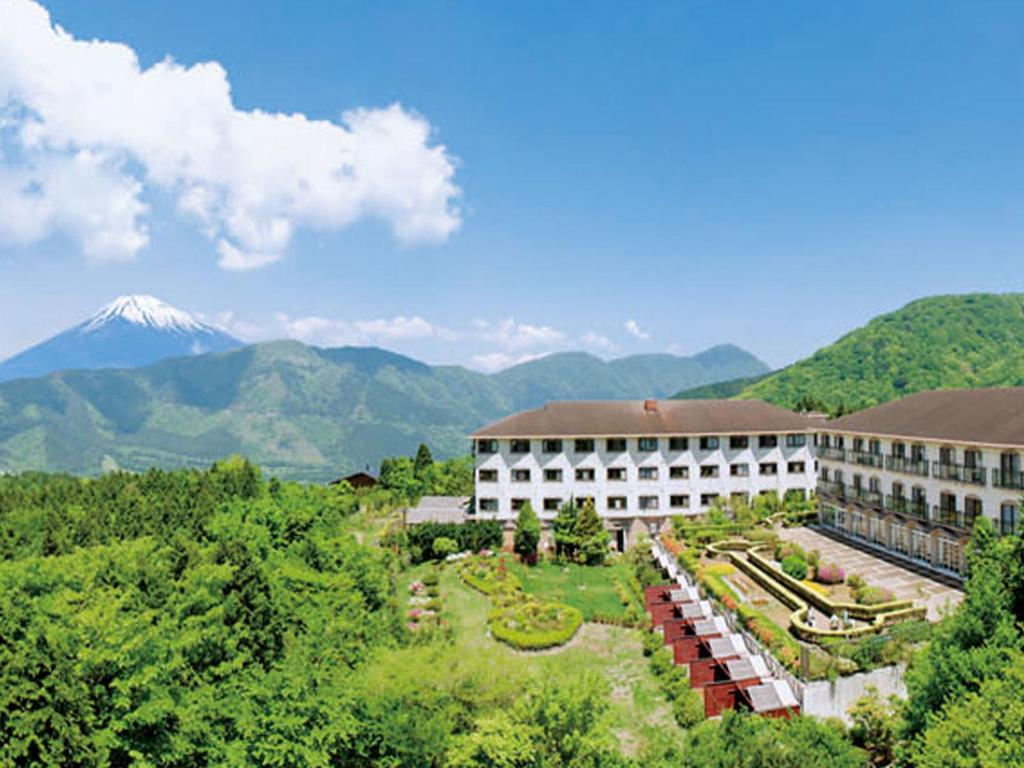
303	412
942	342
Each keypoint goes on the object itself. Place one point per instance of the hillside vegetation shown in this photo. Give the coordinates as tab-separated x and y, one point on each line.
303	412
942	342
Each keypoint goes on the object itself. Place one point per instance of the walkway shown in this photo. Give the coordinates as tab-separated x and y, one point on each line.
904	583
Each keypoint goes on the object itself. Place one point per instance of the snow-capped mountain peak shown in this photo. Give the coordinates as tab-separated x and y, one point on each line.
147	311
129	331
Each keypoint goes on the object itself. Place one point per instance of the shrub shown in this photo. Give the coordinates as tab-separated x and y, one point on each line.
786	549
688	709
814	558
443	546
829	574
874	595
653	642
432	579
529	624
855	582
793	565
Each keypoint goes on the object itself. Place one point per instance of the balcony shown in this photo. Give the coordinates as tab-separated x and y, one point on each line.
865	496
955	518
832	454
1013	479
907	466
866	458
959	473
834	490
901	505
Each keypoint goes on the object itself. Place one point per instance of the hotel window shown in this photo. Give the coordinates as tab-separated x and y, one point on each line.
972	458
708	499
858	444
520	446
647	444
679	501
678	473
552	504
875	447
972	509
874	485
585	475
648	502
487	505
917	453
796	441
918	495
768	468
518	504
796	467
648	473
826	441
840	441
947	456
678	443
709	470
898	490
768	441
551	446
739	442
520	475
709	443
487	475
824	474
584	445
615	445
486	446
617	473
899	450
616	502
552	475
1008	519
739	470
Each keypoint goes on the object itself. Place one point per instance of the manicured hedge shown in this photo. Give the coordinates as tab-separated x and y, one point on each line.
471	536
524	637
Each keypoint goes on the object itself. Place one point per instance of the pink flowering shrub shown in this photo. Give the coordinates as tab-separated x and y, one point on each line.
829	574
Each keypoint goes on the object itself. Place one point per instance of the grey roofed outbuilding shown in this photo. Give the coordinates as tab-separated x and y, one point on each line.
438	509
771	696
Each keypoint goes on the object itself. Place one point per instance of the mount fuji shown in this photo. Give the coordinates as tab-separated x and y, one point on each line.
130	331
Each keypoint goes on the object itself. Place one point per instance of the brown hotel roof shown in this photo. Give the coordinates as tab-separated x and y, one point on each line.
625	418
981	416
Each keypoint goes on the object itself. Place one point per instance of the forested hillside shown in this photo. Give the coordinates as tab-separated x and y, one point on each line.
303	412
942	342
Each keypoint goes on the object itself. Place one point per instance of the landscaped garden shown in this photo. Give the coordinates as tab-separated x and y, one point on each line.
781	593
594	590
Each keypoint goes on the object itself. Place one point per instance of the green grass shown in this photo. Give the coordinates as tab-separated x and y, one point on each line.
640	714
591	589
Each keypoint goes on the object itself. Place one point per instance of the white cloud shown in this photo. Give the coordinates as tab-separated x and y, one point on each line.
323	331
597	341
496	361
633	329
87	131
510	334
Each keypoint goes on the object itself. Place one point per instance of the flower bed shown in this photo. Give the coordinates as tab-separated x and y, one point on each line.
517	619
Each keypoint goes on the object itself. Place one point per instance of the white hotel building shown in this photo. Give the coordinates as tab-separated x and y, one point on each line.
910	476
641	462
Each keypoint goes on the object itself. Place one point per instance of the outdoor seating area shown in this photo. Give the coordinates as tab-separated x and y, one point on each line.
724	664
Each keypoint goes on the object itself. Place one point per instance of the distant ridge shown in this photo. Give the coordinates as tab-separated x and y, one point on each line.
304	412
128	332
942	342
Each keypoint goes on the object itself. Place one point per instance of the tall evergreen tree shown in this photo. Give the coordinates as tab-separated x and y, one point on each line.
527	535
591	535
563	530
423	462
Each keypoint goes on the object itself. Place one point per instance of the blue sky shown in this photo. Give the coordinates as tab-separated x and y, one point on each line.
767	174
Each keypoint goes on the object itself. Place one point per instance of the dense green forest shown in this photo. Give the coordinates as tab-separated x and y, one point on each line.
305	413
217	617
942	342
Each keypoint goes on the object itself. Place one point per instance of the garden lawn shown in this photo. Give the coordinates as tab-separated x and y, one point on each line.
640	715
591	589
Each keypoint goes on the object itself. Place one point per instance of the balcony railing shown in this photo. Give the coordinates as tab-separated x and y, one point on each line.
829	488
831	453
865	496
959	473
866	458
907	466
906	506
955	518
1012	479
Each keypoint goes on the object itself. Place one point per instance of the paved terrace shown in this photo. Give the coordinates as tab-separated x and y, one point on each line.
904	583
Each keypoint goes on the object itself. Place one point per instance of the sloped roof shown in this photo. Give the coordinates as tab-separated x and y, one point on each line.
637	418
992	416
